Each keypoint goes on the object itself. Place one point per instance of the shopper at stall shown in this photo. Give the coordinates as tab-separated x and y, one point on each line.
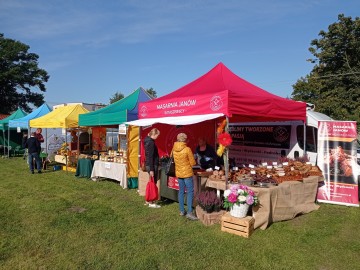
205	154
39	136
33	146
152	158
23	143
184	160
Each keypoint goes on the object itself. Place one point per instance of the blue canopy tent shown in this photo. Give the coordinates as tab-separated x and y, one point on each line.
4	126
24	122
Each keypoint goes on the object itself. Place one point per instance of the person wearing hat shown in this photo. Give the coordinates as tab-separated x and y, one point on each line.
33	146
184	160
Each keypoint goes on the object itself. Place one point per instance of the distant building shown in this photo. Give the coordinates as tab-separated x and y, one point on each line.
90	107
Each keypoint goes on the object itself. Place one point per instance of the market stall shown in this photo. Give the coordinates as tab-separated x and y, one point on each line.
217	95
112	116
5	128
65	117
23	122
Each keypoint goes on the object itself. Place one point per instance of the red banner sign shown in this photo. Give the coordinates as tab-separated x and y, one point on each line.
337	160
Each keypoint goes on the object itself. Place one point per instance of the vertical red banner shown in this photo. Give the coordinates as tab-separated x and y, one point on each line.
337	159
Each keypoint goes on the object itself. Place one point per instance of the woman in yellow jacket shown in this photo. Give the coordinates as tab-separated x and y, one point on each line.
184	160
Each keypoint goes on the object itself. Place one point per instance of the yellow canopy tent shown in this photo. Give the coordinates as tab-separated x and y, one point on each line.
63	117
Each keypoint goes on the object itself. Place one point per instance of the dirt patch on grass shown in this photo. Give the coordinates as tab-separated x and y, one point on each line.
76	209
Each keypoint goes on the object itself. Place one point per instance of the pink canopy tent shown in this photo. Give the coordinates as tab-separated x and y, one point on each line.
221	92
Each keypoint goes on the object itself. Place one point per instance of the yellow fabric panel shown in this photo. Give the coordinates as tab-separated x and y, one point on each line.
63	117
133	151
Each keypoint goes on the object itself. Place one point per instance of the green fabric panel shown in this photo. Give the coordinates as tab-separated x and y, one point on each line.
103	119
84	167
133	182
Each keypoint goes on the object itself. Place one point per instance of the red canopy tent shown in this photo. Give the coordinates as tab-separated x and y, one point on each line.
221	92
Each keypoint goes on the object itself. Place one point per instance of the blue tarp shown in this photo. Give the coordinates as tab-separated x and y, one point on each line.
24	121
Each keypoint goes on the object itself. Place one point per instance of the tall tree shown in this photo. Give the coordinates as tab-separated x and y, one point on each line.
19	76
334	83
151	92
117	96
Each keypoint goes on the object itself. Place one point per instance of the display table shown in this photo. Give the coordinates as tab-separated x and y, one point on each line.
282	202
84	167
60	159
111	170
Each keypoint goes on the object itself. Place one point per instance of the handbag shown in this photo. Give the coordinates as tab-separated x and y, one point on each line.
152	192
170	167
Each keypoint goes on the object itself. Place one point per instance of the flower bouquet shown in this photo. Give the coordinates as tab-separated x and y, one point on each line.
238	199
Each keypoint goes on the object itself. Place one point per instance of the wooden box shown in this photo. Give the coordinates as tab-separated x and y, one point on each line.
239	226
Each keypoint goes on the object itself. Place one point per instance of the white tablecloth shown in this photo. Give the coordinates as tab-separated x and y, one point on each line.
111	170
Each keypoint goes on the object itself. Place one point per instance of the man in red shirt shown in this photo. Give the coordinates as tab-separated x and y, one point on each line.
39	136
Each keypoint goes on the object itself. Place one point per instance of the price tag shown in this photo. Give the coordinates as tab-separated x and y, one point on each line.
235	168
274	163
251	166
217	168
308	162
285	163
252	172
264	164
269	167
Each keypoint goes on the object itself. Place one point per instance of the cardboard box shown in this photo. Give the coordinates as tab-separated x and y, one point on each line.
209	218
239	226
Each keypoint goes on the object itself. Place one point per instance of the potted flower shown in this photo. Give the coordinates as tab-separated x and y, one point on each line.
209	202
238	199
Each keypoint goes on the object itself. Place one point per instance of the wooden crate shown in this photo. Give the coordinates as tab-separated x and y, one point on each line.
239	226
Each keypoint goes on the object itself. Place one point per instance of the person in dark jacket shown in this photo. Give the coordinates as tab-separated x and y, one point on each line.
33	146
205	155
152	158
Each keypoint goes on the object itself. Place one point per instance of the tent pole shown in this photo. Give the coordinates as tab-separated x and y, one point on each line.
304	139
226	156
4	141
8	142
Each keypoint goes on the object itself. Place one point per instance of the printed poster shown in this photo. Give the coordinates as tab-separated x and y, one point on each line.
337	159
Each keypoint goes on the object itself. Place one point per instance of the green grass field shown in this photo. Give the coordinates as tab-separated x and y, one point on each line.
57	221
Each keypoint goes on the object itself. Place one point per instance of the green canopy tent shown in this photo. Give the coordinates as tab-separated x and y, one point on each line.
116	114
4	126
121	111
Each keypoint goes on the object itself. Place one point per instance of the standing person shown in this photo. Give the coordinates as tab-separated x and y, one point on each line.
205	154
33	146
184	160
39	136
23	142
152	158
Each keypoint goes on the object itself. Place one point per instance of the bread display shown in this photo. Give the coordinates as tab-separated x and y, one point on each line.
270	174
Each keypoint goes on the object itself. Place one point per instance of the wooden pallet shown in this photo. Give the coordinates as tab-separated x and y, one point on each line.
240	226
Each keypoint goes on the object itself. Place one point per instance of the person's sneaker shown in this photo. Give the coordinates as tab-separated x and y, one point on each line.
183	213
32	172
39	171
191	216
154	205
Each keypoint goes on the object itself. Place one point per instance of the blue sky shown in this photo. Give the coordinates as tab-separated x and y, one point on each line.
93	48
